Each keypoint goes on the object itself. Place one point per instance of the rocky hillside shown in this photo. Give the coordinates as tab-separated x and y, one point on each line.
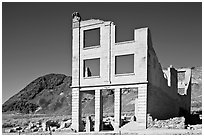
196	94
51	94
47	94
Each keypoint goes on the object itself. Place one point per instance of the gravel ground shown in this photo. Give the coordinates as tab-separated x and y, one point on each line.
140	132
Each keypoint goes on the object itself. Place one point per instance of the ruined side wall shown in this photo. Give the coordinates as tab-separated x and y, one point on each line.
187	105
162	100
185	99
173	82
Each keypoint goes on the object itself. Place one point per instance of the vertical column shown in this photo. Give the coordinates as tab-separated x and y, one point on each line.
76	109
98	110
117	109
136	107
142	106
76	49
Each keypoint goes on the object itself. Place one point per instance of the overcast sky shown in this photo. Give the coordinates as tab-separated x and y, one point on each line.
36	37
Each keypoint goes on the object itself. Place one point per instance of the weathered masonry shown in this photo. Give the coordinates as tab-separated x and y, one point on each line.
160	94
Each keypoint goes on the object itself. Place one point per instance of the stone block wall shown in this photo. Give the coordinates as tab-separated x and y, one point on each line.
163	99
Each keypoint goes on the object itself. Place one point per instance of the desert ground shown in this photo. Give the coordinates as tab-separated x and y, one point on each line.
10	121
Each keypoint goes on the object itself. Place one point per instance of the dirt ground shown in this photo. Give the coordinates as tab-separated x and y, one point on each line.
67	131
140	132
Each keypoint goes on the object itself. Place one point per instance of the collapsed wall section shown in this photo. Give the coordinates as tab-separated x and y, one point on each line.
184	90
169	91
162	94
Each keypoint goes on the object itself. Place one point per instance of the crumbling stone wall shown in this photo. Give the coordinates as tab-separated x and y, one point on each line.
163	99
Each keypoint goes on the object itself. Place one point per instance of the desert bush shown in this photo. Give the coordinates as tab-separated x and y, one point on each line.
8	125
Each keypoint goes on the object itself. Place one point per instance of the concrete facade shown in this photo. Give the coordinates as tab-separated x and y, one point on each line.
147	75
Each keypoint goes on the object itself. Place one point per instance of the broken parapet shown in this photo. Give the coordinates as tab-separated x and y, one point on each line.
184	79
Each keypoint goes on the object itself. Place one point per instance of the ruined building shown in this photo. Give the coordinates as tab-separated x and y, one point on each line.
161	94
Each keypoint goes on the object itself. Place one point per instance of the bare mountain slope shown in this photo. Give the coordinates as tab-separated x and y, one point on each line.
47	94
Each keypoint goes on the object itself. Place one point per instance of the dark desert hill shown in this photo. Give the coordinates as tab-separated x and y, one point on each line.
51	94
46	94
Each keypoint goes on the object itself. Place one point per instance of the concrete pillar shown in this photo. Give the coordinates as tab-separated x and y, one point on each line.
136	107
88	124
76	110
142	106
76	53
117	109
98	110
141	35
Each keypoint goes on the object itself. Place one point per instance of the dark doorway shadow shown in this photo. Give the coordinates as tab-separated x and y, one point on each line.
195	119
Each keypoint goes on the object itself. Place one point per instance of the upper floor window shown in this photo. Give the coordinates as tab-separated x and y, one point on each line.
92	67
91	37
124	64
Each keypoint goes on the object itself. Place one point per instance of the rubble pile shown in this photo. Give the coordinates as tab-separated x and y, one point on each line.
108	123
172	123
39	126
